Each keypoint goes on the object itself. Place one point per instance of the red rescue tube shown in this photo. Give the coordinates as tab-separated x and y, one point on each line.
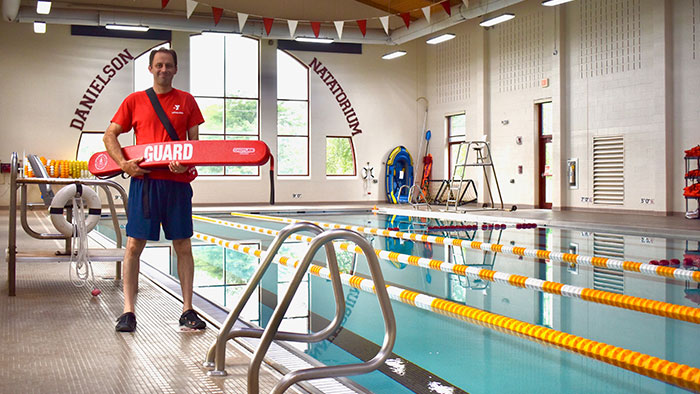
191	153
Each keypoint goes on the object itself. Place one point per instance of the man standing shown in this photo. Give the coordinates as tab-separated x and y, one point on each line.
162	196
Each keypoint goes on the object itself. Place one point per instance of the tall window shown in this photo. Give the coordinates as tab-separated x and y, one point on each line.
224	79
292	115
456	134
340	156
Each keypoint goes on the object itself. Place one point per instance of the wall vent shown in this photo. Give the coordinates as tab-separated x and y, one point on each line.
608	170
612	247
452	70
610	37
694	27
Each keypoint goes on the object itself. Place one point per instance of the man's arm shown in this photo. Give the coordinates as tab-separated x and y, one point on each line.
193	133
114	149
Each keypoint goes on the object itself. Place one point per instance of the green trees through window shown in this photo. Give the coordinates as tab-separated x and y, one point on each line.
224	80
340	157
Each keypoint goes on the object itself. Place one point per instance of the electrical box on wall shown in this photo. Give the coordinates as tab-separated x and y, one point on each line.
572	173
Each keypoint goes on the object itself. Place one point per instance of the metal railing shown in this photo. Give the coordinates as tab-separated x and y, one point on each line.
216	354
21	184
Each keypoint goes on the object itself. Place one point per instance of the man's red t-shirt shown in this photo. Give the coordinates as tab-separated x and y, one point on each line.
137	112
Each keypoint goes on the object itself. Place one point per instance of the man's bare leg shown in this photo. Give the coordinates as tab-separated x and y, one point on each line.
185	270
132	260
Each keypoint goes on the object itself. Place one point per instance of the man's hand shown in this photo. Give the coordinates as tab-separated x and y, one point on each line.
177	168
132	168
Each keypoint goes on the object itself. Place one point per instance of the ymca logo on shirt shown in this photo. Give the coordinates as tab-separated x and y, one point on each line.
176	110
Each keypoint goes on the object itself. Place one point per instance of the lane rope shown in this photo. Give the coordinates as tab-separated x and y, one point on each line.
570	258
656	368
644	305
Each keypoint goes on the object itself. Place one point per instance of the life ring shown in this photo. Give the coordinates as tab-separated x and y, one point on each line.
63	197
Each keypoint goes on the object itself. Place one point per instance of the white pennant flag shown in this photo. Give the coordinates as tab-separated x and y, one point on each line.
466	3
191	5
339	28
241	21
426	12
292	27
385	23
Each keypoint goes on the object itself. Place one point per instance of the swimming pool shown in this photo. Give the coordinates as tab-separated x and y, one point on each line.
440	353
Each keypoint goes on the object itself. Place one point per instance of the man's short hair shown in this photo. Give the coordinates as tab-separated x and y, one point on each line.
164	50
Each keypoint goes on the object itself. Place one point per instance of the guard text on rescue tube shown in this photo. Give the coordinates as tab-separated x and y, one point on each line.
96	86
339	94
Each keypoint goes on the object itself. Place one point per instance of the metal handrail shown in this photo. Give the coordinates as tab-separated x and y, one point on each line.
216	356
324	239
21	184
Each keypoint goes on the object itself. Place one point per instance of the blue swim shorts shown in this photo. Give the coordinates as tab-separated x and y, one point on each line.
170	205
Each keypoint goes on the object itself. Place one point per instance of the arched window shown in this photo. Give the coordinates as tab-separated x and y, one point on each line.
292	115
224	79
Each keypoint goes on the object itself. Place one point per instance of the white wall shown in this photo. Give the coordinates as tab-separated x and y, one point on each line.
51	72
642	86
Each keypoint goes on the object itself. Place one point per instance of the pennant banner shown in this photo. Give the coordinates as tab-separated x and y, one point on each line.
292	27
362	24
164	3
385	23
217	14
191	5
426	12
446	5
339	28
242	18
268	24
316	27
406	18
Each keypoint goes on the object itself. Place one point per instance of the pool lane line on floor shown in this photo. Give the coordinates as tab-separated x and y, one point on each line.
571	258
656	368
644	305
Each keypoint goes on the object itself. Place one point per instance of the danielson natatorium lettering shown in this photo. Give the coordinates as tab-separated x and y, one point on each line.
340	96
96	86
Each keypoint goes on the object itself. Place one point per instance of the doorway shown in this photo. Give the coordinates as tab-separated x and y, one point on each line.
545	155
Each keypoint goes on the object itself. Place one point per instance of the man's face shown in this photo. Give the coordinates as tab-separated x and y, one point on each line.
163	69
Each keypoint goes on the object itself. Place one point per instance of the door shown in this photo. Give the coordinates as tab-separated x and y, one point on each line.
545	155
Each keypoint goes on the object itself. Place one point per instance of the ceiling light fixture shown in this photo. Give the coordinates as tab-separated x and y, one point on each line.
496	20
314	39
552	3
43	7
393	55
440	38
39	27
115	26
218	33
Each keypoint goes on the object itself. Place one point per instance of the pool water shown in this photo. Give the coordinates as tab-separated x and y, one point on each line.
435	353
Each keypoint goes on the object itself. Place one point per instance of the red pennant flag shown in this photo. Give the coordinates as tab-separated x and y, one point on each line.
446	5
217	14
164	3
316	27
268	24
406	18
362	24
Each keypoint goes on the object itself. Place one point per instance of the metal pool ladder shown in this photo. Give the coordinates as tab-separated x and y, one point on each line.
217	352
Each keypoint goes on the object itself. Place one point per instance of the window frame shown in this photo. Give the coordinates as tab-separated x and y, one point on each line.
453	140
229	136
308	120
354	159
